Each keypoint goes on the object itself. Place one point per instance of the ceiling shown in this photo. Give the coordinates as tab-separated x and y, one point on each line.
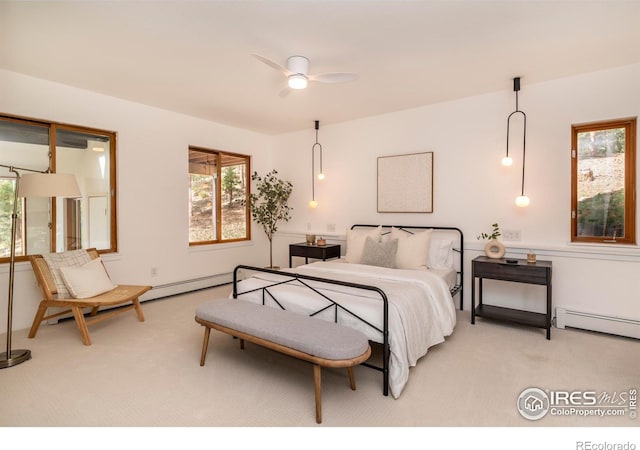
193	57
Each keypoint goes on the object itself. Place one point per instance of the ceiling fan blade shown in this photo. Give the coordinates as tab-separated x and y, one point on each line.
338	77
272	64
284	92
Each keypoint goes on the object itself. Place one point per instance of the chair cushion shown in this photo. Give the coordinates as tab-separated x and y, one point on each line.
65	259
87	280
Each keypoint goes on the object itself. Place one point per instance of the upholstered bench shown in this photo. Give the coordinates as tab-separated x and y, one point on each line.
322	343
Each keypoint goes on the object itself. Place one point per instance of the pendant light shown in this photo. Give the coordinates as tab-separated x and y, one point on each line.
522	200
317	146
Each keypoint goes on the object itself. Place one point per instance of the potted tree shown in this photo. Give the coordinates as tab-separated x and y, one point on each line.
269	205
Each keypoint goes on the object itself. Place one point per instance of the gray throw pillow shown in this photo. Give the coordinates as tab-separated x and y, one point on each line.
381	254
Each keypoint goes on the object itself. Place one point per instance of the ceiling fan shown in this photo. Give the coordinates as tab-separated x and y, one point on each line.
297	73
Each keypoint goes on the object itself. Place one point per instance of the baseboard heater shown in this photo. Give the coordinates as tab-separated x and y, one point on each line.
181	287
566	317
169	289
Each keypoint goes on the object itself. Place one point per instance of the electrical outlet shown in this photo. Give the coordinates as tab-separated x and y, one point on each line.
331	227
510	235
154	271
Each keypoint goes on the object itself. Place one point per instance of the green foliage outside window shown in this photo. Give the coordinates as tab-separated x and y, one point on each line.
6	206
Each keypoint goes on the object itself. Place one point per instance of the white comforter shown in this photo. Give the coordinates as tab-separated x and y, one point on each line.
421	310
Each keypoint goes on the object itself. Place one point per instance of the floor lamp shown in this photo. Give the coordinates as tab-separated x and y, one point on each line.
34	184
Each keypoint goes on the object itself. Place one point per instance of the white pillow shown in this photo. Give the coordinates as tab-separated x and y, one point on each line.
56	261
355	242
87	280
413	248
441	254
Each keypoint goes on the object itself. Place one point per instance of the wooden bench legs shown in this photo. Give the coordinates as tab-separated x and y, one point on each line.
205	345
317	380
317	371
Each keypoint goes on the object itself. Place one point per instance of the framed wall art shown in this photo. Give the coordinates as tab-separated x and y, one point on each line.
405	183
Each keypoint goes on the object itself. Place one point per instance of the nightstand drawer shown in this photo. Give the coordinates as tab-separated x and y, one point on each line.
314	251
307	251
529	273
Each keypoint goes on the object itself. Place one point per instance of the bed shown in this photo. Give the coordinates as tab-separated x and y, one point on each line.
396	284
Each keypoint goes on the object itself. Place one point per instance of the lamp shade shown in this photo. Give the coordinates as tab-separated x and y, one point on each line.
48	185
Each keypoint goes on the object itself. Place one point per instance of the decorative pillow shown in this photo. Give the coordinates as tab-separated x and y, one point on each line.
441	254
355	242
87	280
65	259
381	254
413	248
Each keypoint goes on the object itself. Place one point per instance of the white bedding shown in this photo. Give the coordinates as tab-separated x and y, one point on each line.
421	310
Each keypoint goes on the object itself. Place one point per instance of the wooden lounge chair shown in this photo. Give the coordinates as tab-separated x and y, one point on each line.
120	295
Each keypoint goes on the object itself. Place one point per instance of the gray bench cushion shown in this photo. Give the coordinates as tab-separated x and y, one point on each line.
310	335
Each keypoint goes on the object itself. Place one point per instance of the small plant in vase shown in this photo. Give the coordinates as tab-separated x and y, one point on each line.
494	248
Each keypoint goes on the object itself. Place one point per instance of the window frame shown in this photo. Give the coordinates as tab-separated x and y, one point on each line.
218	201
630	126
53	127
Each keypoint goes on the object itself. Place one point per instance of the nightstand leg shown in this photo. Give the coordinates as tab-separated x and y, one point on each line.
549	308
473	299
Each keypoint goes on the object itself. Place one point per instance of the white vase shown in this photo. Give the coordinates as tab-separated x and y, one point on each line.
494	249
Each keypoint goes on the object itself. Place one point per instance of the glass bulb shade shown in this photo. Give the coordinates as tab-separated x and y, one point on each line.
313	204
320	176
507	161
297	81
522	201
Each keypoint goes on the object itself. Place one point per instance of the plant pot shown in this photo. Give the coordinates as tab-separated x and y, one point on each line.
494	249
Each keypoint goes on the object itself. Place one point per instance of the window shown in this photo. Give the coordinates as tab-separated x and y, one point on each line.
218	197
53	225
603	173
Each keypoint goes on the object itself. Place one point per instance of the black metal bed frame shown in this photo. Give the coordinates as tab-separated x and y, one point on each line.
305	280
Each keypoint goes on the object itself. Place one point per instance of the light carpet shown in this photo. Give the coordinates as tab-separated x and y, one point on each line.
148	375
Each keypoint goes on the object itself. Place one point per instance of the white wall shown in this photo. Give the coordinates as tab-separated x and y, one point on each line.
472	190
152	186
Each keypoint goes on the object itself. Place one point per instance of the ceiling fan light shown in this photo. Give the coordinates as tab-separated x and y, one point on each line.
297	81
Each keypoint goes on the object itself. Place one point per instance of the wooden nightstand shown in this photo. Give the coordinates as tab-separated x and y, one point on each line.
307	251
520	272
